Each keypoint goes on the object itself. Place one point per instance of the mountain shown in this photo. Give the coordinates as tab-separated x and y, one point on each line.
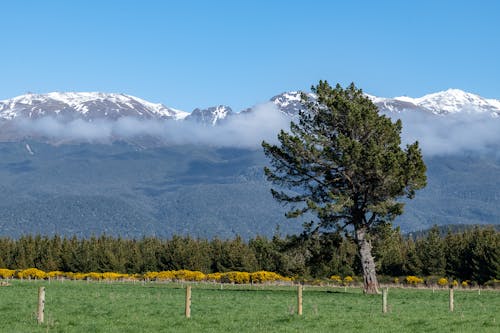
210	116
87	106
440	103
91	106
133	185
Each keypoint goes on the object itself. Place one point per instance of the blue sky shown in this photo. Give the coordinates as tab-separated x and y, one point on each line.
188	54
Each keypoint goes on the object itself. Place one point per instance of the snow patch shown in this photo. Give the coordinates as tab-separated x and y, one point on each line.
30	151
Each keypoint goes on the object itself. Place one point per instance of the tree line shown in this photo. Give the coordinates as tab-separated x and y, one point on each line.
472	255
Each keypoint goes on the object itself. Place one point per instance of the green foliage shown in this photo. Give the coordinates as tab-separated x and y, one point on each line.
432	253
470	255
343	162
389	250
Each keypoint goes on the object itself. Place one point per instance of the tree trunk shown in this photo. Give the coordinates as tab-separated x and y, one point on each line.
370	283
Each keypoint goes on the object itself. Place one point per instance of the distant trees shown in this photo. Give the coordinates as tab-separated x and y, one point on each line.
467	255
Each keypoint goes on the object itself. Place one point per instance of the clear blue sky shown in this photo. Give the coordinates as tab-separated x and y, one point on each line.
189	54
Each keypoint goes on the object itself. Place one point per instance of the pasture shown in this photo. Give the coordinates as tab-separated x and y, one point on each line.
79	306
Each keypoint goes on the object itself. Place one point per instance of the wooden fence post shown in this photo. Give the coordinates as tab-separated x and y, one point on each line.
188	301
41	304
384	299
299	300
452	305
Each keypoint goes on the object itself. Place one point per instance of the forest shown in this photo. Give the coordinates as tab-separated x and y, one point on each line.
470	254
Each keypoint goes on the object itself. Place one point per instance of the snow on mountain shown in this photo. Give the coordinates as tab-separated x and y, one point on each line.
443	102
440	103
210	116
84	105
67	106
290	103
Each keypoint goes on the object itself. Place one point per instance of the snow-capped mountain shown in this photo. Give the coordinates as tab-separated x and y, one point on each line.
84	105
89	106
443	102
290	103
210	116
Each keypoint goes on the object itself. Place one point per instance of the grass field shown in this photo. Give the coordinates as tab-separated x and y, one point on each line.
78	306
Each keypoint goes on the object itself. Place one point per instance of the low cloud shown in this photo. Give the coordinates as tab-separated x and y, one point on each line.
247	130
437	135
452	133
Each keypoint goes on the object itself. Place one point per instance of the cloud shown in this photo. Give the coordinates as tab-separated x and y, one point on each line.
437	134
247	130
451	133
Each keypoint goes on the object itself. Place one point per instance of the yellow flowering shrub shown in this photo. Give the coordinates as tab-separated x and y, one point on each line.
214	277
94	276
76	276
442	282
180	275
396	280
165	276
185	275
414	280
236	277
348	280
56	274
264	276
465	283
454	283
31	273
6	273
336	279
113	276
150	275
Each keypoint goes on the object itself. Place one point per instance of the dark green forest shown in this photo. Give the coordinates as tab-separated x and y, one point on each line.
472	254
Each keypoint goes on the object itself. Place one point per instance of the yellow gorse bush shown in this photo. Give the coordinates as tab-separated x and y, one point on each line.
265	276
348	279
336	278
55	274
214	277
31	273
442	282
228	277
6	273
236	277
414	280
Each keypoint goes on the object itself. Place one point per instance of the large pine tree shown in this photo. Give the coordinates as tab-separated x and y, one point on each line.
343	162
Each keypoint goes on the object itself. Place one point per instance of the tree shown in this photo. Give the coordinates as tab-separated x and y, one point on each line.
388	248
432	254
343	162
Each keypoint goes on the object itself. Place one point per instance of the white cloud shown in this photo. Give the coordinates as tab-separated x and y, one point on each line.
437	135
244	130
450	134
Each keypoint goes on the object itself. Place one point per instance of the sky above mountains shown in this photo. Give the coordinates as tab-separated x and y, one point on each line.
201	53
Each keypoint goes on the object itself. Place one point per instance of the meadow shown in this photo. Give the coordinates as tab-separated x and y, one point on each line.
80	306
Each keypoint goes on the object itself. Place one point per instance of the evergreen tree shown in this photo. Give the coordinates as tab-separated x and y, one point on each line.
431	253
412	265
389	251
342	161
485	255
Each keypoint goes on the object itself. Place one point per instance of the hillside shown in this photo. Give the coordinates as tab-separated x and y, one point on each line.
93	163
202	191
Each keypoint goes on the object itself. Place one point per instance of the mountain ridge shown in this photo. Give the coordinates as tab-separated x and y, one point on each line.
112	106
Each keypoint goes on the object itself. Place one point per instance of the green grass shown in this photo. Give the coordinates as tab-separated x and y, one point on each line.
77	306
